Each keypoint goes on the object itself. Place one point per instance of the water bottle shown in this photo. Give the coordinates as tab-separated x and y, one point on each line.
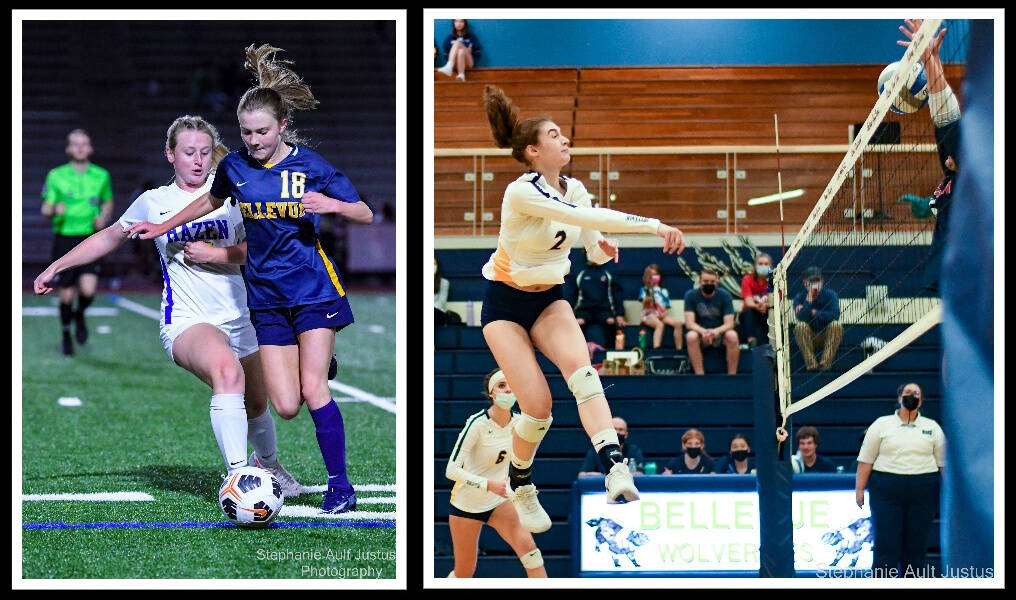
642	339
650	468
619	340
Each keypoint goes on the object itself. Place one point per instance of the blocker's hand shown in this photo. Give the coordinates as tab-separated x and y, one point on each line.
609	247
673	239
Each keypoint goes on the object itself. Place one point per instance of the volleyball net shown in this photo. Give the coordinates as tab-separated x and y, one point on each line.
868	241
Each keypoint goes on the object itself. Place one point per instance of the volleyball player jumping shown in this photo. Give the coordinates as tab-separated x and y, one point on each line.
205	327
543	214
294	291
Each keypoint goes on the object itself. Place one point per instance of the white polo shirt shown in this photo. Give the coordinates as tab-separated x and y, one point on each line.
892	446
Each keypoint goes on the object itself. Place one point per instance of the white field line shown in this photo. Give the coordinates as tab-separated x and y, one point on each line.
51	311
96	497
367	487
356	393
135	307
313	511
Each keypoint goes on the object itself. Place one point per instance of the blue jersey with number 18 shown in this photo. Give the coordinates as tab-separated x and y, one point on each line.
286	265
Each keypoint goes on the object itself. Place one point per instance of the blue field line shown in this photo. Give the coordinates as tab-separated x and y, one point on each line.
203	525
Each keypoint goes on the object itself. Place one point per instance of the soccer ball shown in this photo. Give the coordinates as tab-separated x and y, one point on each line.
914	94
250	497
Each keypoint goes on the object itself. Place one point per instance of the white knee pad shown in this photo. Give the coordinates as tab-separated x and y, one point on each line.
532	560
585	384
532	430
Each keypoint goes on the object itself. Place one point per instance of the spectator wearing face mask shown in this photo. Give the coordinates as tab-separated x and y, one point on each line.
709	319
594	466
901	462
817	309
693	459
738	462
755	294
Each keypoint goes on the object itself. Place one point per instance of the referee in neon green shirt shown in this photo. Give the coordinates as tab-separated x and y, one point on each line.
78	197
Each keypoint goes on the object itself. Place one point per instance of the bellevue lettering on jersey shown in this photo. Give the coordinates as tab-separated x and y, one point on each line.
272	210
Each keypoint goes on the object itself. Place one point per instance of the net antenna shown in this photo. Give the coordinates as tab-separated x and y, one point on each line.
908	235
779	183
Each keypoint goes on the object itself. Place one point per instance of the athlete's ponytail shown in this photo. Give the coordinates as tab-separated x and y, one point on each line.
508	129
279	89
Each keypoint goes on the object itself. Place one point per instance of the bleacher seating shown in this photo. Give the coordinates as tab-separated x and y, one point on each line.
667	106
659	408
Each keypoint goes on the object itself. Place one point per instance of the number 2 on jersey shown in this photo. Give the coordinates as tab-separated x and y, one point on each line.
561	235
299	179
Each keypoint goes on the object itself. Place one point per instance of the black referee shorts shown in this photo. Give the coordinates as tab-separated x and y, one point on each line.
62	244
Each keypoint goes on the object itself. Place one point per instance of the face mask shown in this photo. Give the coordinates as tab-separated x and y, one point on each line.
739	455
505	401
910	402
622	439
693	452
763	270
708	288
655	279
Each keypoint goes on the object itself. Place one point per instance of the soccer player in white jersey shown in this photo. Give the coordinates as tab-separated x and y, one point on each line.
479	467
542	215
205	327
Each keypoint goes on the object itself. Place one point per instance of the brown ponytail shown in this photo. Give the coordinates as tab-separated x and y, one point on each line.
508	129
280	90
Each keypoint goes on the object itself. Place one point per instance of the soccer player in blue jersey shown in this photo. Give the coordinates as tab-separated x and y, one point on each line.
294	291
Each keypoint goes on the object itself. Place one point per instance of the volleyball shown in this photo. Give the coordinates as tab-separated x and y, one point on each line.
914	93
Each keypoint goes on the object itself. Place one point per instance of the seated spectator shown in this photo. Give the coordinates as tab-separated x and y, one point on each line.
597	301
807	460
594	466
462	48
693	459
817	308
656	307
737	462
755	294
709	319
442	316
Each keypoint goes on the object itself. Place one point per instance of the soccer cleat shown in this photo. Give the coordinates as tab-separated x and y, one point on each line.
336	502
531	514
290	486
333	368
620	484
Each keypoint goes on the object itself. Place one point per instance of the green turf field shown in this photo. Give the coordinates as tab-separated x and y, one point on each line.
143	426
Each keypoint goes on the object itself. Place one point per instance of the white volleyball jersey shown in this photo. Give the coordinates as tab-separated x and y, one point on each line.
480	453
539	227
206	292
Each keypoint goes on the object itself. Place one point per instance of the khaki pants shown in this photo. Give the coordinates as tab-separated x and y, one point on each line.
829	340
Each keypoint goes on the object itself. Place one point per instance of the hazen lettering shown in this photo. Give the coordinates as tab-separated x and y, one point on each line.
216	229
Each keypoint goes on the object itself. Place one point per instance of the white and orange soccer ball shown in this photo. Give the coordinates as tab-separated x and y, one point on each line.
250	497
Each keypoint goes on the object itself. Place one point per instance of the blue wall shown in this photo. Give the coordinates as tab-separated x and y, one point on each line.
612	42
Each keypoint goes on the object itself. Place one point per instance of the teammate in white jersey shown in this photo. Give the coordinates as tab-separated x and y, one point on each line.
542	215
479	467
205	327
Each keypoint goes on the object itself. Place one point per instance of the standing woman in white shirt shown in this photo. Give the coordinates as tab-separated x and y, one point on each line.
205	326
479	467
901	461
543	214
